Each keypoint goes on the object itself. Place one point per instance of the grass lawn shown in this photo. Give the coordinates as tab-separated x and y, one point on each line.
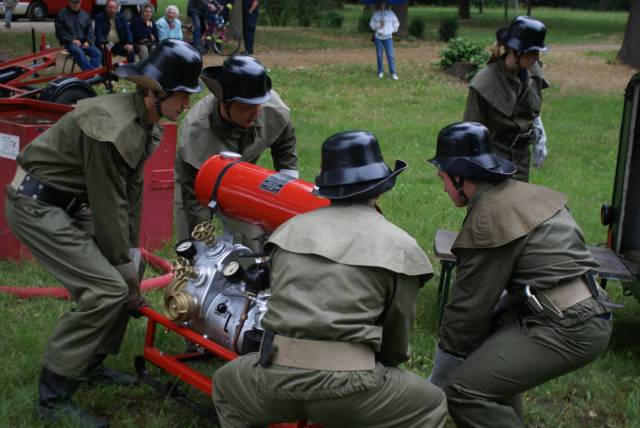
583	129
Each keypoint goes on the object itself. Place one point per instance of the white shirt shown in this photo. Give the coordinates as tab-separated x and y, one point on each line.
384	23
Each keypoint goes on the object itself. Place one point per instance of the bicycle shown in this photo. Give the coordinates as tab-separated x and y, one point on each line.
219	36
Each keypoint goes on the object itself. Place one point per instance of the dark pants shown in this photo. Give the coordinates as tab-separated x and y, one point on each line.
80	55
249	23
199	25
118	49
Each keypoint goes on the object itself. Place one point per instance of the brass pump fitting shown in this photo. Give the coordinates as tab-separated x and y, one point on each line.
204	232
182	269
180	307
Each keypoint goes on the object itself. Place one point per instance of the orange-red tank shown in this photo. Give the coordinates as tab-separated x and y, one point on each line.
253	194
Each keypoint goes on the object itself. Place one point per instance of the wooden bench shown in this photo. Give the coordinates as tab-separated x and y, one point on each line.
610	266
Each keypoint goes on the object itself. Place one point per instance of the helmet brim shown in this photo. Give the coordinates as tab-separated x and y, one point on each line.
133	73
365	190
487	167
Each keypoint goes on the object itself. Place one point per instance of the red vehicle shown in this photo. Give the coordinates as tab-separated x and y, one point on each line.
39	10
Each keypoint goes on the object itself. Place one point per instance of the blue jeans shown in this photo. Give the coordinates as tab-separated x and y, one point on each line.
387	45
8	13
80	56
199	25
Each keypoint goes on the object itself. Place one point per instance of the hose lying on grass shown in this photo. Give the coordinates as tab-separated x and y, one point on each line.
62	293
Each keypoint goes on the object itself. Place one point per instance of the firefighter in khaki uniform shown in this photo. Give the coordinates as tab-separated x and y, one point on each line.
506	95
344	284
520	238
242	115
76	203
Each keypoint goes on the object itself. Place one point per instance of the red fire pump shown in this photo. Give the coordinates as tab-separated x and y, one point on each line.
216	300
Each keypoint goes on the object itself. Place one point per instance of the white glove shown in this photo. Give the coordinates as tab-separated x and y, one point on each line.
540	146
290	172
443	366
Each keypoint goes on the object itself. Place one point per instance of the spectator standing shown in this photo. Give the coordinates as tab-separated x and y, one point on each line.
169	26
384	22
112	32
74	31
9	7
197	11
144	32
250	15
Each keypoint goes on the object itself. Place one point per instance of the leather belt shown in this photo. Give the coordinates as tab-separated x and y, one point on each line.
315	354
27	185
516	140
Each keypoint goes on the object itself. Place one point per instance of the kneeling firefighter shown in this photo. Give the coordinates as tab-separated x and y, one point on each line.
519	238
76	203
344	283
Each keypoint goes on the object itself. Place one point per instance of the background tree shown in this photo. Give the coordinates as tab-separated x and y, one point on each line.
464	11
630	51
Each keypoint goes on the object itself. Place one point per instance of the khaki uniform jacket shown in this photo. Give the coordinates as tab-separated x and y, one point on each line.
502	102
97	153
203	134
513	233
341	273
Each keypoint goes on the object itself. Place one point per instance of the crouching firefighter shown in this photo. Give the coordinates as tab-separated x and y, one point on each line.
344	283
76	202
520	238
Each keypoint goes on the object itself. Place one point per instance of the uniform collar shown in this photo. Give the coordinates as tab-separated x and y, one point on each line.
481	188
141	109
506	73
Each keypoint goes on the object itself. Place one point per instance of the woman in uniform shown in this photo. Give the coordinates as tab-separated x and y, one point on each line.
506	95
525	307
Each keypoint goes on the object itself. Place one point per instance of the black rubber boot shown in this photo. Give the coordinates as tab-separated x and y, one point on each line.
54	404
99	373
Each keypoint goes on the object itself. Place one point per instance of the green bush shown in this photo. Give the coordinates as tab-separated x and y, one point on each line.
464	50
331	19
417	27
279	13
448	28
363	21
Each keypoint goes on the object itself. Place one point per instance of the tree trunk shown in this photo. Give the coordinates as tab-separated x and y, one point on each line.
402	12
464	11
630	51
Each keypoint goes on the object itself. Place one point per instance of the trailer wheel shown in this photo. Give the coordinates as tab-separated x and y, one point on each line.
129	12
67	90
37	11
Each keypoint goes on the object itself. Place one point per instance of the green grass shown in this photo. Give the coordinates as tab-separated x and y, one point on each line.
582	127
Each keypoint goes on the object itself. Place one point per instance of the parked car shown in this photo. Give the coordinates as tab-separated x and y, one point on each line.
39	10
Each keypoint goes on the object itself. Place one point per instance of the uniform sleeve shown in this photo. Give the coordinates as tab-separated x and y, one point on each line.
397	320
194	212
473	110
107	188
134	190
283	150
481	276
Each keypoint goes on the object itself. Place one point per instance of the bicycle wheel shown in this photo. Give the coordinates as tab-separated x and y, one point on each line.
226	41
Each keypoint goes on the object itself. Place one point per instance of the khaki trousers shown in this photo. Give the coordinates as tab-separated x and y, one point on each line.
63	246
485	391
402	400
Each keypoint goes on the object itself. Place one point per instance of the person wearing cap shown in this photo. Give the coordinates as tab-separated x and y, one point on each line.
242	115
506	95
76	201
525	307
343	302
74	31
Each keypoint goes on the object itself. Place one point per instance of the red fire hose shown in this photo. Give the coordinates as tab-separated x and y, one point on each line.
62	293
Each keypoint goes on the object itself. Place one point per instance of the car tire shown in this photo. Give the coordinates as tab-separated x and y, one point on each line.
37	11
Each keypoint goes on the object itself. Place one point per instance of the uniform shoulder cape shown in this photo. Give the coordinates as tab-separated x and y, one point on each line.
354	234
197	146
505	212
493	85
114	118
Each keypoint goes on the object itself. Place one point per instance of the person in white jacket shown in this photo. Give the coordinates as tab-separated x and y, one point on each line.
384	22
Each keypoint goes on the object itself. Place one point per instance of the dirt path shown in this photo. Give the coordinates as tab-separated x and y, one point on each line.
566	66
